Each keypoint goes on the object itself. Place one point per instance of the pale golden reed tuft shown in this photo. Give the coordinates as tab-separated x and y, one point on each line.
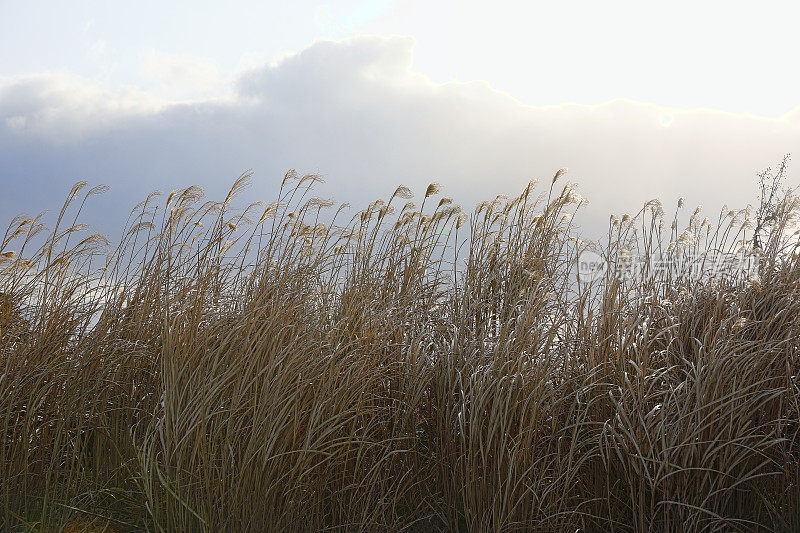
432	189
426	372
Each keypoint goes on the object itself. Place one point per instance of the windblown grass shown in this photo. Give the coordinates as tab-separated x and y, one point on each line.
286	367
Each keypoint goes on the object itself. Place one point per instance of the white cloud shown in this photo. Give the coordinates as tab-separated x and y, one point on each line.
356	111
60	108
183	77
250	61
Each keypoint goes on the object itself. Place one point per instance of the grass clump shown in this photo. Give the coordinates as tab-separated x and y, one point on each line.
287	366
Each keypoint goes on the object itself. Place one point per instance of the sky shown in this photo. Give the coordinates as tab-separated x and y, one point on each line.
639	100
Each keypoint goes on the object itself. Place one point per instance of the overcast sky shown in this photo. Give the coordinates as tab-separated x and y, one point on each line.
638	99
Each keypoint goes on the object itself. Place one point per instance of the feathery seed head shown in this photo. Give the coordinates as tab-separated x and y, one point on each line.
172	196
409	206
403	192
432	189
444	201
574	197
654	205
320	203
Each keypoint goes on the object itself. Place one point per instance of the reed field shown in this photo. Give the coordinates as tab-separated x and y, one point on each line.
301	365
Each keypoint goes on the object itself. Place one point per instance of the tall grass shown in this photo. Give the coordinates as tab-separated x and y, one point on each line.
286	366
